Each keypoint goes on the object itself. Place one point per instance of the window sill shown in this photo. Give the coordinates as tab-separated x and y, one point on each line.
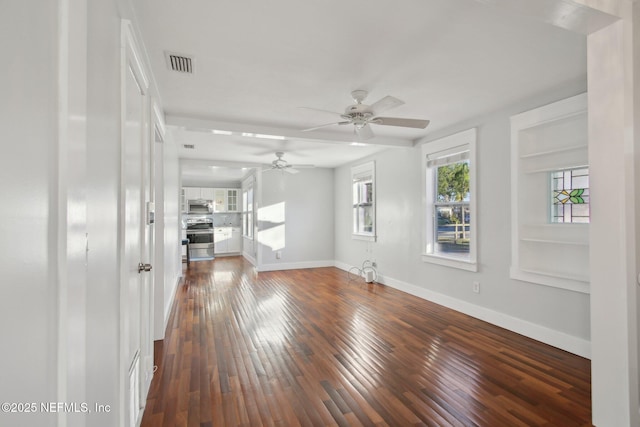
450	262
366	237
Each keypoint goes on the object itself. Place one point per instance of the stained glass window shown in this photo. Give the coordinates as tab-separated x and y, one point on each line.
570	196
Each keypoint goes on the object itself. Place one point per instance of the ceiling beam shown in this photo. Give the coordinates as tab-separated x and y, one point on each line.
223	163
190	123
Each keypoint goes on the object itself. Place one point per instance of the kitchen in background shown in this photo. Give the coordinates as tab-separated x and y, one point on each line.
211	221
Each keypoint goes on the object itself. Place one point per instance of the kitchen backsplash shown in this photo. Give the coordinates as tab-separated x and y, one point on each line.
228	219
219	219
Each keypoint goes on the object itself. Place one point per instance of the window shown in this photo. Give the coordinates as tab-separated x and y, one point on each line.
570	196
363	197
449	177
451	208
247	208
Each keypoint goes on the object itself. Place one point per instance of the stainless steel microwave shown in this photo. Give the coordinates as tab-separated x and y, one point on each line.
200	207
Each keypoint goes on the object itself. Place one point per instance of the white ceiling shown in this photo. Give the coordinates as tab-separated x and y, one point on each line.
257	62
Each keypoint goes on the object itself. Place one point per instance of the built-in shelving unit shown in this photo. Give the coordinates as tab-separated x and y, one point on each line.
545	140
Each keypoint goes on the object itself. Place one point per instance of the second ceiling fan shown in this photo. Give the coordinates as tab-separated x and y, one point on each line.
362	115
280	164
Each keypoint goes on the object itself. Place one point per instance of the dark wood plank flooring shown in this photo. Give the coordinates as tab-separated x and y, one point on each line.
311	348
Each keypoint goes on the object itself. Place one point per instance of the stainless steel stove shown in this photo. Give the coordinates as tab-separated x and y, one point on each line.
200	235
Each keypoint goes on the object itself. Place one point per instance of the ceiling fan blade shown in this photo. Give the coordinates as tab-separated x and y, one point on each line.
364	133
291	170
395	121
303	166
325	125
386	103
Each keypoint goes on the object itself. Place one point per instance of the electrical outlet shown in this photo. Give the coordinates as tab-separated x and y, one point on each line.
278	254
476	287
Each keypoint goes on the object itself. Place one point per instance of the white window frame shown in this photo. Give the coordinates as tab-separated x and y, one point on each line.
359	173
248	209
462	141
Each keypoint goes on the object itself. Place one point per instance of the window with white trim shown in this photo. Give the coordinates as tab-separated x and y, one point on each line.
450	214
247	208
364	203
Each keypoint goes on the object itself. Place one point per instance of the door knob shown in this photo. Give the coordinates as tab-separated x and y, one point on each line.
144	267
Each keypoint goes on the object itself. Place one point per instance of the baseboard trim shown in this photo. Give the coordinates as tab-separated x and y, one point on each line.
295	265
168	307
561	340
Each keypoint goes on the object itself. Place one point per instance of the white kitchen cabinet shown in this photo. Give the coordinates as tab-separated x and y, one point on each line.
198	193
192	193
232	200
220	200
227	240
207	193
184	204
225	200
221	237
235	242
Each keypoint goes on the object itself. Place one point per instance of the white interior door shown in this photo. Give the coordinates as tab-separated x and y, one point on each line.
135	258
133	243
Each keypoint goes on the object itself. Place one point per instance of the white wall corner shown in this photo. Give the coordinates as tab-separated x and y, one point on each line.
250	258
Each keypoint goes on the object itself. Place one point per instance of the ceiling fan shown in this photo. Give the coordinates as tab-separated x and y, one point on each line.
282	165
362	115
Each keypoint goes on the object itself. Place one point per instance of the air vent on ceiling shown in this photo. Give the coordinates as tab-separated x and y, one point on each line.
189	146
180	63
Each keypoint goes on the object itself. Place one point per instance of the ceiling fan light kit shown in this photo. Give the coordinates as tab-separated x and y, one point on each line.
362	115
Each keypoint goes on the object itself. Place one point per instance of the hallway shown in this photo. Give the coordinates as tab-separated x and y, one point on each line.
311	347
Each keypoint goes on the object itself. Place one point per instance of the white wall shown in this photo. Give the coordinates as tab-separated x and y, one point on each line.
103	164
28	212
60	179
295	217
172	239
557	316
614	144
40	170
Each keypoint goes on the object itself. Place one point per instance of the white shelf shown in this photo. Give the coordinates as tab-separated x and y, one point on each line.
553	168
556	275
554	151
554	241
551	279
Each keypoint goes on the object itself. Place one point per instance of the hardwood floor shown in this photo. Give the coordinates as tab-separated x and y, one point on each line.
311	348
